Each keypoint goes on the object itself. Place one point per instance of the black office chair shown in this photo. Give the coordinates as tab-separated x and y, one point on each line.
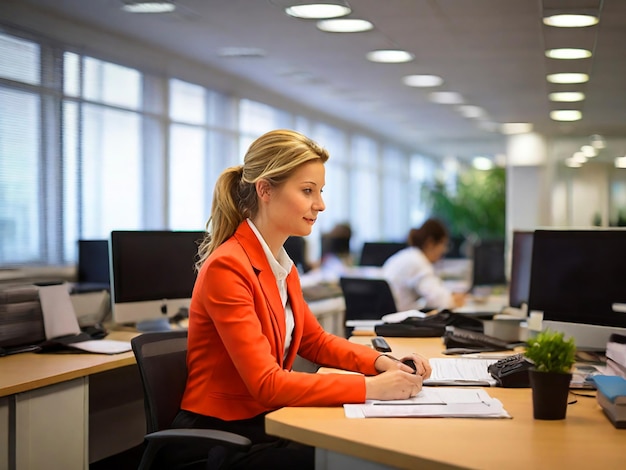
161	357
366	299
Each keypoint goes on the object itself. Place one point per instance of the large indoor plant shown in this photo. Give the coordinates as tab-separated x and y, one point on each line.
553	357
475	207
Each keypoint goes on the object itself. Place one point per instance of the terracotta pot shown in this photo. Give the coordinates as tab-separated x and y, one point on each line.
550	391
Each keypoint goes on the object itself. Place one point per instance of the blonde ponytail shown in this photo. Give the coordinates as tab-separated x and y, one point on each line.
273	157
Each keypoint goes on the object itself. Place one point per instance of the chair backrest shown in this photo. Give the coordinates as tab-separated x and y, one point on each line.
376	253
162	361
366	298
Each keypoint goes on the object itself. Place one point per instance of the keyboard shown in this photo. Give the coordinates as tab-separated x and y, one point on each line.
455	337
321	291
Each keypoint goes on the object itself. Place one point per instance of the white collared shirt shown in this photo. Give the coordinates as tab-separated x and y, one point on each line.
413	281
280	267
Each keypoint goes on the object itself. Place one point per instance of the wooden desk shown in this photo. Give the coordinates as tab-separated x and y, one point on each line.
585	438
67	410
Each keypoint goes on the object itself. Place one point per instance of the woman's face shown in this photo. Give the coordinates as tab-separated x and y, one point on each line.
294	206
434	250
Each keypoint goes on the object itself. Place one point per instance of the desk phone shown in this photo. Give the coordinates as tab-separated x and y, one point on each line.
459	338
512	371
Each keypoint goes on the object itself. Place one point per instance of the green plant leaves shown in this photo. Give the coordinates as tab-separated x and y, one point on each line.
476	206
551	352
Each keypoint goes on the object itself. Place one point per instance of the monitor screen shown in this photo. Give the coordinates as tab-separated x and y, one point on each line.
578	280
152	273
488	266
376	253
296	249
93	261
521	257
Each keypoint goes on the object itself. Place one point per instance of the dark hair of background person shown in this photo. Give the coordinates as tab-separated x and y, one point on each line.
431	229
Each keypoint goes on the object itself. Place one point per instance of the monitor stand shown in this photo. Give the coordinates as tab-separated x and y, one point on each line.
158	324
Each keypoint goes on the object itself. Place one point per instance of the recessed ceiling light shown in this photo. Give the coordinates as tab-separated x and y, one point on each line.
570	162
389	56
471	112
566	115
620	162
153	6
570	21
446	97
568	78
347	25
422	81
511	128
317	11
579	157
568	53
598	141
567	96
589	151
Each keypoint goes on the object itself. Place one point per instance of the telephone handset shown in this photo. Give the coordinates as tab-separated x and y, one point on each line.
512	371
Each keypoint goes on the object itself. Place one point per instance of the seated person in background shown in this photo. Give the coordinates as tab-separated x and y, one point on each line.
336	255
411	274
248	318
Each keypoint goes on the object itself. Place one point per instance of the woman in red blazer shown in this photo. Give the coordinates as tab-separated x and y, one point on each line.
248	319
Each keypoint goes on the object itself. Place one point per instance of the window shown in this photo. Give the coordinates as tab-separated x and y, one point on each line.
421	169
88	146
395	195
19	60
365	197
105	150
20	175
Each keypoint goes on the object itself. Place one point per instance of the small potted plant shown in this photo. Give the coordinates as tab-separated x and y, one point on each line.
553	357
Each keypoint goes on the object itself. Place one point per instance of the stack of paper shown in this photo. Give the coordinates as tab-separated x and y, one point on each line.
616	354
461	371
432	402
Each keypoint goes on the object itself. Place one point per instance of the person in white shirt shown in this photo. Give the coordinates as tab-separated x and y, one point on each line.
411	275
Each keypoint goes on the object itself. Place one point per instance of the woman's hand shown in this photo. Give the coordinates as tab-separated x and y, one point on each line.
393	384
422	366
458	299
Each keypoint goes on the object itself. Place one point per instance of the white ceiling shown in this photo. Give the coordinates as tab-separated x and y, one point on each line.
490	51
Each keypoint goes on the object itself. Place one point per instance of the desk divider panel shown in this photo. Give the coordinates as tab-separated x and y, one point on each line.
51	426
4	433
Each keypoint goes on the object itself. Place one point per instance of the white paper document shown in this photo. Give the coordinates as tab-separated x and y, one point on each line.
398	317
58	312
102	346
433	403
461	371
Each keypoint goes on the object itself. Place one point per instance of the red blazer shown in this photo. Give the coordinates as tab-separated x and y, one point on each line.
237	335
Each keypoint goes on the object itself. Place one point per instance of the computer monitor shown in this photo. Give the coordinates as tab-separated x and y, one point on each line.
295	248
152	275
521	258
93	266
578	281
456	247
376	253
488	267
